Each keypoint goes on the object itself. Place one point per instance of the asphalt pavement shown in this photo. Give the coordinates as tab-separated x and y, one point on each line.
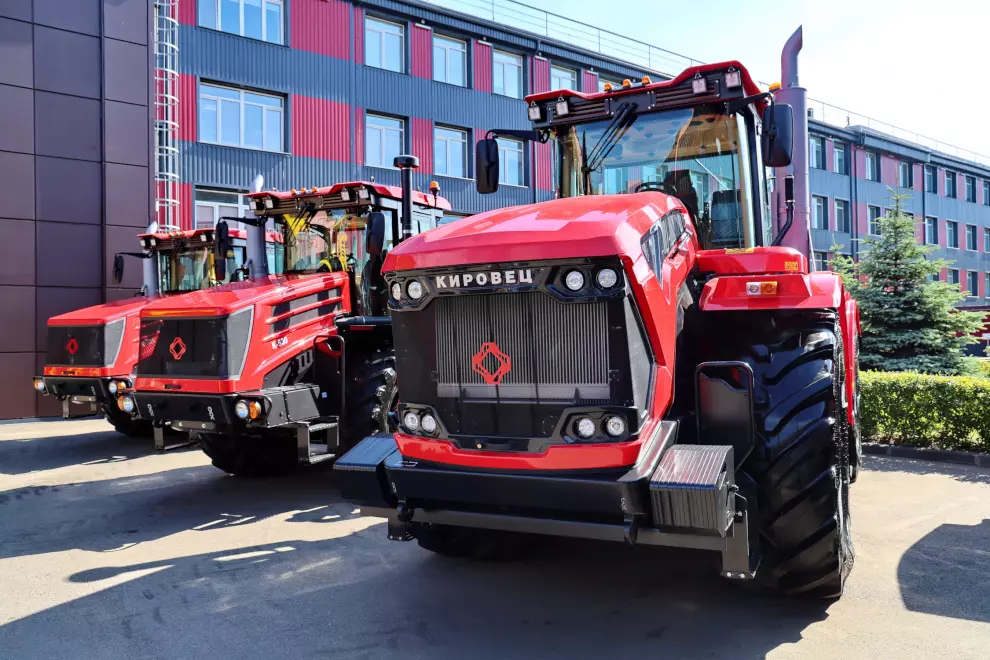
111	550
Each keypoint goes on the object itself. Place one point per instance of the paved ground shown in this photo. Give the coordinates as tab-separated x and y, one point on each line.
108	550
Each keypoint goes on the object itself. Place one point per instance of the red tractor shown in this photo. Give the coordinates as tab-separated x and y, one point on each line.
92	352
640	360
292	368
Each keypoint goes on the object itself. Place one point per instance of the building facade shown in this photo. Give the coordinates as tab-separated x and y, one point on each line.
75	162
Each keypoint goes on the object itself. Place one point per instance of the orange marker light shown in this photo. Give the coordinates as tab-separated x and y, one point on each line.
646	80
761	288
608	87
627	83
774	86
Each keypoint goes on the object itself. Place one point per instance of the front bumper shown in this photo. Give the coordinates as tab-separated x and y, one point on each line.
79	390
677	495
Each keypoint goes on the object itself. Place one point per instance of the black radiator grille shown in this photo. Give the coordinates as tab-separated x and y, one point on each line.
557	351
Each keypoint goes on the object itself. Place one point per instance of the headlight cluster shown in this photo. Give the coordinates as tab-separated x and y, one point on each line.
613	426
118	386
606	278
39	384
414	290
420	423
247	409
126	403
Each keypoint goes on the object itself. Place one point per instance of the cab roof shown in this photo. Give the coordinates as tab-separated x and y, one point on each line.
360	190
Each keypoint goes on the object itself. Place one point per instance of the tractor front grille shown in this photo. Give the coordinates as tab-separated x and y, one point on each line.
209	347
84	345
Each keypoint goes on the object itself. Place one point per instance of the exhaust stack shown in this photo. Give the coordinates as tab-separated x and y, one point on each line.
407	164
791	93
257	255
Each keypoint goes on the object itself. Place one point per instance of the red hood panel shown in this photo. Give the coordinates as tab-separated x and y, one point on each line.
228	298
105	313
592	226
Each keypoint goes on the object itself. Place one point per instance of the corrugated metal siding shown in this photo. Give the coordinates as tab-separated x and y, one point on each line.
422	143
187	107
543	166
540	77
359	35
321	26
589	81
320	129
482	66
421	51
185	206
359	136
187	12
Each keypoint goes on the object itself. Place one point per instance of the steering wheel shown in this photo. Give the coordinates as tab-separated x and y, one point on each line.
655	186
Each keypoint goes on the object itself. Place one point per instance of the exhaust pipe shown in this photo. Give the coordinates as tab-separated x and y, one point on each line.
257	255
406	164
791	93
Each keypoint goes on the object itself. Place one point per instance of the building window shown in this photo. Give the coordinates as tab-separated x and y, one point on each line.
952	234
973	284
931	179
986	285
384	140
818	153
950	184
873	212
449	60
256	19
507	74
842	216
841	162
905	178
821	261
819	212
972	242
953	276
931	231
238	118
384	45
450	152
986	193
510	162
986	240
211	205
971	189
872	167
562	78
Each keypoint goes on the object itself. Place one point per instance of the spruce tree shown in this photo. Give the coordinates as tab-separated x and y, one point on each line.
909	317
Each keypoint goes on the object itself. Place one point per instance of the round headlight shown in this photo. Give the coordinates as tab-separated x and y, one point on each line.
615	426
585	427
429	423
415	290
574	280
112	387
127	404
411	421
242	410
396	291
39	384
607	278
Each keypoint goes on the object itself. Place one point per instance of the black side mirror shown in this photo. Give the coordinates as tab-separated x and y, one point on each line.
486	165
777	141
221	246
375	233
118	268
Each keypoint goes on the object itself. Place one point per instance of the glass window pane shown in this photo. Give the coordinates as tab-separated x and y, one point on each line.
230	16
253	127
228	212
512	81
392	146
230	122
372	48
393	52
439	64
208	13
204	216
456	68
373	147
456	158
262	99
273	130
252	19
273	22
221	92
216	196
208	120
440	156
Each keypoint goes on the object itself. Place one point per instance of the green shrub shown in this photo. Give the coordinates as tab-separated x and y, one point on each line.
945	412
983	366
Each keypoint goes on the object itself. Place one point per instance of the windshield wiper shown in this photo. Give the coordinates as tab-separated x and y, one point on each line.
621	120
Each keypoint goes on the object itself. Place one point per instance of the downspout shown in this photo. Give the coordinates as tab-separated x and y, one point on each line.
791	93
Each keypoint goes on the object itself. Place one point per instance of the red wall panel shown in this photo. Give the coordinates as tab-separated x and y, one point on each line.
421	50
919	177
919	229
943	236
321	26
482	66
888	170
862	219
359	35
543	166
540	79
187	107
185	206
859	157
187	12
320	129
589	82
359	136
940	176
829	154
422	143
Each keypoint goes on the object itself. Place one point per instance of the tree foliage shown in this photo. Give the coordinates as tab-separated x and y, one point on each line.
909	316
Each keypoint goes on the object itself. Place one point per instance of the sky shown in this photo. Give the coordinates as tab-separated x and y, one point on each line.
921	66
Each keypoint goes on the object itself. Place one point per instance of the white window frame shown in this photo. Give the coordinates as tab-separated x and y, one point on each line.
448	144
502	58
949	275
817	148
822	213
904	172
870	221
449	45
368	27
934	172
848	225
242	205
218	7
368	127
837	149
509	144
265	109
949	225
972	291
986	239
872	173
951	176
976	238
934	224
966	188
555	74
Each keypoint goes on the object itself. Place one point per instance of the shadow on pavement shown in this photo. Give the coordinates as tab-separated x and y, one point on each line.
359	596
58	450
945	572
965	473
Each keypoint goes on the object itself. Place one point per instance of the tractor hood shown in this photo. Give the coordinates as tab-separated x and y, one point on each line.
591	226
102	314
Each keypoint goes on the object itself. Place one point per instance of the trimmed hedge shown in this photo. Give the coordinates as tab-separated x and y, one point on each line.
944	412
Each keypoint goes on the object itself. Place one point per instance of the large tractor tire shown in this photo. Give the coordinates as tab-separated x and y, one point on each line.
124	424
249	455
371	395
798	473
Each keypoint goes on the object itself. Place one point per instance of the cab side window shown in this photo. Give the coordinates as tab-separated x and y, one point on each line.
661	239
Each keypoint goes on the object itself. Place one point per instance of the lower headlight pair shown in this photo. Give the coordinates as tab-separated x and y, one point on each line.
39	385
115	386
247	409
614	426
413	422
126	403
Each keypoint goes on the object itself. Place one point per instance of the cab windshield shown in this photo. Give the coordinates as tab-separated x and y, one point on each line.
191	269
328	241
699	155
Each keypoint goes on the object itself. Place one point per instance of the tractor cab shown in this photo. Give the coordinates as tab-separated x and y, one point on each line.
703	137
